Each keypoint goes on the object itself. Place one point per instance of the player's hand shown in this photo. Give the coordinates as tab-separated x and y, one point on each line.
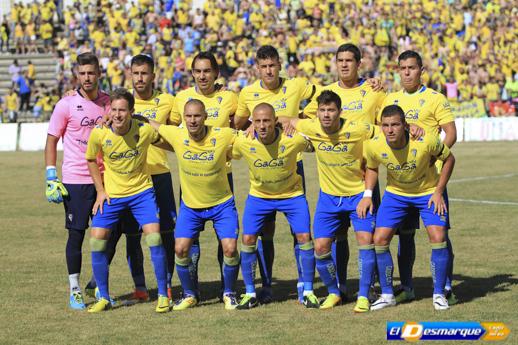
56	191
106	121
70	93
375	84
365	205
416	132
439	205
288	128
250	132
99	202
433	160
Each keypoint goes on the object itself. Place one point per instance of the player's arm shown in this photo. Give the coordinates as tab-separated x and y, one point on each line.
242	114
451	133
55	189
415	131
365	205
164	145
288	124
93	168
437	200
446	120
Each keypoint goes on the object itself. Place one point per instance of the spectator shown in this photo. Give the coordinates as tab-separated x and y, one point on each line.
12	103
25	91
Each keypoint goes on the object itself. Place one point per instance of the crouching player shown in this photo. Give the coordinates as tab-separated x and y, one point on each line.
126	187
274	186
412	182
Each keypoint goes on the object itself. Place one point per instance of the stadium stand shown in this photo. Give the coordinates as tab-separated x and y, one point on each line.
469	47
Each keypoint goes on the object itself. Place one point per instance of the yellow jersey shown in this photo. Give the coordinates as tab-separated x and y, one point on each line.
360	103
285	99
408	169
201	165
158	108
272	168
220	105
339	155
124	157
426	108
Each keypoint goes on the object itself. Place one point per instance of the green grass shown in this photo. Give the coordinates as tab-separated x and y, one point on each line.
34	285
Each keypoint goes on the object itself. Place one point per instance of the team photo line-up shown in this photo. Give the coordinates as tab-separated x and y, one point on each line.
116	173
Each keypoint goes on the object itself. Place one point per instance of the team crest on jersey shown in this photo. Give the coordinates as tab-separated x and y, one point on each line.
157	100
384	156
136	137
421	102
284	89
396	102
108	142
363	93
282	148
213	141
219	99
79	107
186	142
318	135
347	135
252	150
256	95
414	152
188	99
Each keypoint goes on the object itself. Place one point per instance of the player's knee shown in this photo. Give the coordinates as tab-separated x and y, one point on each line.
381	240
97	245
181	250
303	238
322	247
249	240
364	238
154	239
231	260
230	249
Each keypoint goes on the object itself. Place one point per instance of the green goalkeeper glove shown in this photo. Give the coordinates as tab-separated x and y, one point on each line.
56	191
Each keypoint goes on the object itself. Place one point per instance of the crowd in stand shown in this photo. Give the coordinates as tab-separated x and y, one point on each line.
469	47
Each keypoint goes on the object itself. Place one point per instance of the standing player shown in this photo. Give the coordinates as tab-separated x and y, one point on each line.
411	183
206	196
361	101
274	186
73	119
127	186
338	143
428	109
285	95
220	106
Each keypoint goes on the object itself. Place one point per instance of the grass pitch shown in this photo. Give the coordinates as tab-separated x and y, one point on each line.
34	285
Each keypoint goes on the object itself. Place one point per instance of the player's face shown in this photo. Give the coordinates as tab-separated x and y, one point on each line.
120	114
329	116
410	74
88	76
393	128
142	77
269	70
347	66
194	117
264	123
204	75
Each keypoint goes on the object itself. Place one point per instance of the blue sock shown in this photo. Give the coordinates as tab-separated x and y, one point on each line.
248	264
340	253
449	276
307	264
265	255
439	266
385	269
296	254
406	257
101	271
194	254
184	268
366	266
327	271
160	265
230	272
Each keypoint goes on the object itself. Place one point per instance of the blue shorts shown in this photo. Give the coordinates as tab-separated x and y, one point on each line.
223	216
78	205
163	187
333	212
394	208
259	210
142	206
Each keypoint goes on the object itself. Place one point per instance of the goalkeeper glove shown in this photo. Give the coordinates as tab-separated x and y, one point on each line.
55	189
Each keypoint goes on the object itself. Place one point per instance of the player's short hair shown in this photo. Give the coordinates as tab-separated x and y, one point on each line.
393	110
206	56
196	102
267	52
349	47
143	59
264	105
409	54
88	58
122	93
328	97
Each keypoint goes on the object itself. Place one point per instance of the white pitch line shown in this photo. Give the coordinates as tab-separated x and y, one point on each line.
480	178
488	202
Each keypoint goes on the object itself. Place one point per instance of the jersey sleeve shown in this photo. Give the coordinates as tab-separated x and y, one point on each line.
233	103
304	127
236	147
438	149
59	119
168	133
369	155
380	110
306	88
175	115
94	144
311	108
368	130
443	112
380	104
242	109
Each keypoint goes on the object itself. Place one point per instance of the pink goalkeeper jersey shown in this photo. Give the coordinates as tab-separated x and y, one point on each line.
73	119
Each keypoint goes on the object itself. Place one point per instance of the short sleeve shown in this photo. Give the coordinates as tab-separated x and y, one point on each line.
168	133
443	113
438	149
306	88
94	144
368	155
175	115
242	109
59	119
